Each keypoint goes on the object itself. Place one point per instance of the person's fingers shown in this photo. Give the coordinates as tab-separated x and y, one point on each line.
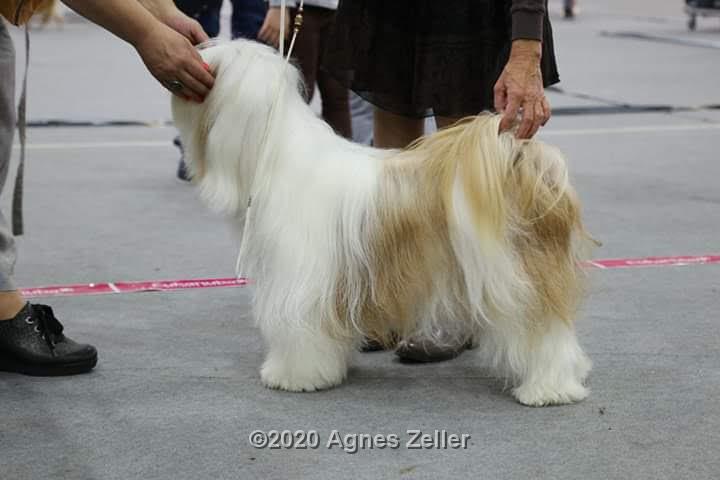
188	95
547	110
180	91
539	117
527	120
198	34
271	37
182	95
500	93
264	30
195	87
510	113
200	70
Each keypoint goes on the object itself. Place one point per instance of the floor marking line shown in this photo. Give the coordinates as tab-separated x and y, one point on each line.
596	265
674	40
206	283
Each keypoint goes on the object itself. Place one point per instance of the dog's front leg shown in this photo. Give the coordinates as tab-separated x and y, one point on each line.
302	358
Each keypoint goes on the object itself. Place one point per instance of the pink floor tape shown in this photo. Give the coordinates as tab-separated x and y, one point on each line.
203	283
131	287
655	261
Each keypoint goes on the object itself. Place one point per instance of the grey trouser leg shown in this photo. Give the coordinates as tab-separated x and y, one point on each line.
7	130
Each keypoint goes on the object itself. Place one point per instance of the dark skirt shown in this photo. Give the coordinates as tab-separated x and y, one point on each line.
424	57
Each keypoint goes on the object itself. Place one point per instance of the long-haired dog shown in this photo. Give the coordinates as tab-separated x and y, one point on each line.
467	230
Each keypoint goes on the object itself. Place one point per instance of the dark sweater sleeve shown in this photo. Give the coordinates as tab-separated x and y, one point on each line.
527	19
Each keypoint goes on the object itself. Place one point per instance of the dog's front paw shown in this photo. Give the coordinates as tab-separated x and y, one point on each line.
299	377
540	395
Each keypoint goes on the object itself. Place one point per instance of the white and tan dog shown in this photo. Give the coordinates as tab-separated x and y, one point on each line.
467	230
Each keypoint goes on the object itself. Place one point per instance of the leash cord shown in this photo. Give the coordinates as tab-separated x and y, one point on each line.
296	28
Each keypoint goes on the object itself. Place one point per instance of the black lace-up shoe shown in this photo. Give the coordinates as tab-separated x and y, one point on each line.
33	343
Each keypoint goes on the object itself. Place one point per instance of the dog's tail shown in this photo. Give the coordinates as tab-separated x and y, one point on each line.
500	192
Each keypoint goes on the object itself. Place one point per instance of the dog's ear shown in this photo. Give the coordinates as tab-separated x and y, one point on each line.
193	122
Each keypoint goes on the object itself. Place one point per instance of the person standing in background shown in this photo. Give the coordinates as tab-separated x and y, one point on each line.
318	20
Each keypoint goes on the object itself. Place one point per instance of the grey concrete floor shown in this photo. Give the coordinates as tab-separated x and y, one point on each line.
177	390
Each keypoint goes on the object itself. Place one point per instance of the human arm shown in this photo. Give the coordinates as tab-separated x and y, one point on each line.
520	85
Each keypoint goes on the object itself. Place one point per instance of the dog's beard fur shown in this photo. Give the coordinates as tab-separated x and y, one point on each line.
467	230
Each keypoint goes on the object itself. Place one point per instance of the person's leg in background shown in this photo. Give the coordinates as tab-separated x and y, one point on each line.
395	131
10	300
31	339
391	130
307	51
247	18
335	96
443	122
335	104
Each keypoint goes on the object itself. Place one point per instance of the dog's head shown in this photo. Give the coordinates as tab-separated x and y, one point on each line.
227	136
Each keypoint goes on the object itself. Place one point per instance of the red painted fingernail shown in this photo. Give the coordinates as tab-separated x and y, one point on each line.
207	67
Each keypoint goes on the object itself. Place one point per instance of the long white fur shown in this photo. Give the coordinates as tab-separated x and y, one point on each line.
313	196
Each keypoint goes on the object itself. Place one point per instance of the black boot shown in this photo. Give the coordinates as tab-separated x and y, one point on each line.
32	343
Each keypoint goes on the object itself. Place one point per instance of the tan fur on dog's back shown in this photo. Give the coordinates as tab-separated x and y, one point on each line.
410	250
518	195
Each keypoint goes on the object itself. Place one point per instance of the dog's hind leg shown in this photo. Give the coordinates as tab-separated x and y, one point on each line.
546	367
303	358
555	368
552	366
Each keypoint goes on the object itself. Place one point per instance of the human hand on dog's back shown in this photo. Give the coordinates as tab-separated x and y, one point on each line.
521	86
162	36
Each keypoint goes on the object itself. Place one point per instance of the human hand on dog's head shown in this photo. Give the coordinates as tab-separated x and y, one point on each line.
519	90
175	63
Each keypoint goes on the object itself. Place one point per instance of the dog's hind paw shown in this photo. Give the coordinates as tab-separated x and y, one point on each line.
534	395
300	378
